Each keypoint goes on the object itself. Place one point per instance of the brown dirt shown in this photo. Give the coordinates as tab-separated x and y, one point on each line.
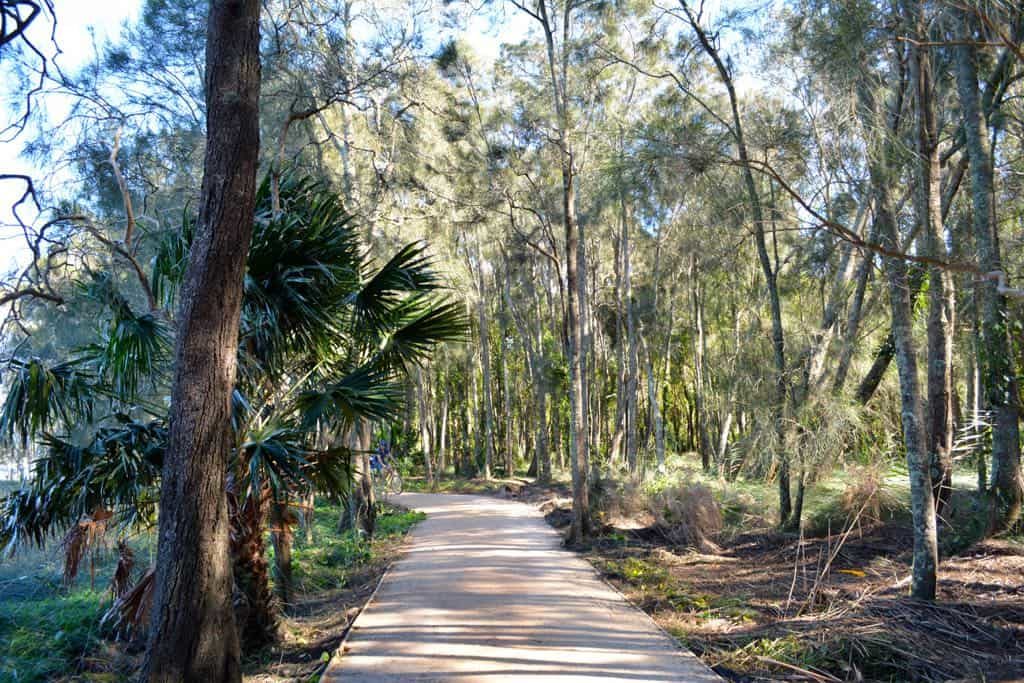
773	606
315	626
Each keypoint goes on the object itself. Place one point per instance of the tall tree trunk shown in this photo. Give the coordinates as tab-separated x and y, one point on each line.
996	358
619	426
485	364
922	505
771	283
577	416
506	398
941	297
192	635
853	316
923	582
575	267
425	440
282	535
442	439
632	363
700	411
473	422
887	351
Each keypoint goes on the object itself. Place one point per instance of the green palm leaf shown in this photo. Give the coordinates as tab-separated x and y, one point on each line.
41	398
366	393
420	326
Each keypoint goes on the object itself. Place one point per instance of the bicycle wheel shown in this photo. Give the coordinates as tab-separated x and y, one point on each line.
395	483
380	484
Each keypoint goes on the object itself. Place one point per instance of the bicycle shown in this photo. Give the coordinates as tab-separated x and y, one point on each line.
387	480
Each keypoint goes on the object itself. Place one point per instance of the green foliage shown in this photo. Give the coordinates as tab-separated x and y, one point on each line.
41	397
325	341
116	471
304	265
328	561
42	639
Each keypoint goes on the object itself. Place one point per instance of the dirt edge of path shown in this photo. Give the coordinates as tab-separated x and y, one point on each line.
317	627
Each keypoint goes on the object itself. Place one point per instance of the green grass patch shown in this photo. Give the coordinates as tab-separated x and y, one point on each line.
41	639
655	582
48	633
327	562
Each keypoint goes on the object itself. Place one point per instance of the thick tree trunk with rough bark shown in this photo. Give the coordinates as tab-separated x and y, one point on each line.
192	635
996	353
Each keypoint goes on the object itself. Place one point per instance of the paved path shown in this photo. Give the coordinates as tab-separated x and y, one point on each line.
485	593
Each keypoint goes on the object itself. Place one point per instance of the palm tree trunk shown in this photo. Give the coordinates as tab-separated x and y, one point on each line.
254	610
282	535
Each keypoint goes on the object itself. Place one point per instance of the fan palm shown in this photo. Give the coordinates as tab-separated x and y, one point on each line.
325	341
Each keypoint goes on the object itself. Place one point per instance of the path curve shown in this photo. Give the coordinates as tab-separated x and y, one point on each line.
484	592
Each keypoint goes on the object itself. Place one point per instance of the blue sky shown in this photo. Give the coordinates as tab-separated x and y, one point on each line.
81	25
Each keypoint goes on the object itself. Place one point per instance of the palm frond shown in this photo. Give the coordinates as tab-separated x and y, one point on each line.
274	458
303	266
420	326
42	398
410	271
117	470
367	392
136	350
171	259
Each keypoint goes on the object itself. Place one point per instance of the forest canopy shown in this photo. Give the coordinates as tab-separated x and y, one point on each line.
646	249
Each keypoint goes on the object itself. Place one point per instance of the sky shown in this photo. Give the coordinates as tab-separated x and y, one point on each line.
81	25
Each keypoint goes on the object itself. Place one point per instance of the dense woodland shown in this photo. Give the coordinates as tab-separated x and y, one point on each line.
579	241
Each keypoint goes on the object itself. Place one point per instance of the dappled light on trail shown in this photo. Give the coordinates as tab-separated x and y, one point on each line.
485	593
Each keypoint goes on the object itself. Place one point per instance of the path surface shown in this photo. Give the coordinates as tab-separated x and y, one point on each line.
485	593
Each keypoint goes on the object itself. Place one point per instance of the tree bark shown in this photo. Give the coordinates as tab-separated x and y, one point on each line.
192	635
255	612
941	296
485	363
425	437
703	441
282	535
996	356
506	398
630	389
923	580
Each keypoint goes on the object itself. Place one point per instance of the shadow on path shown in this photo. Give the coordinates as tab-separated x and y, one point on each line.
486	593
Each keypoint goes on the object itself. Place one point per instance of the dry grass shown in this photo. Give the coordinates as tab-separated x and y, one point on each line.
687	514
771	606
867	497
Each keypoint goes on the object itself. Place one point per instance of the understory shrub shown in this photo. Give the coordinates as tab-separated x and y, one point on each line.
687	514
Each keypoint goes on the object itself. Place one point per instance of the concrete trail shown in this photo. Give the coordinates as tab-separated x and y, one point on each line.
485	593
